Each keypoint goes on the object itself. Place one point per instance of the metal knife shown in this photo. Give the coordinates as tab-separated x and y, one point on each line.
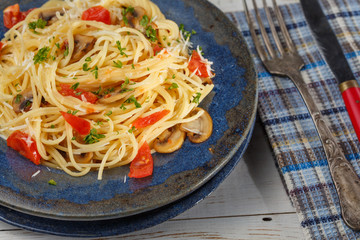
335	58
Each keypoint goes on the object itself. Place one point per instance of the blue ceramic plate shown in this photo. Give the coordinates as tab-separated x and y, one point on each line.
232	106
112	227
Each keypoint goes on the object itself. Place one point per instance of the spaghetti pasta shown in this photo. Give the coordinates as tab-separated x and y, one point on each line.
75	77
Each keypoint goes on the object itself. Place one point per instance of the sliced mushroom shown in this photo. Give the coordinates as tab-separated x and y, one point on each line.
83	157
200	129
22	102
83	44
170	140
206	81
134	18
49	14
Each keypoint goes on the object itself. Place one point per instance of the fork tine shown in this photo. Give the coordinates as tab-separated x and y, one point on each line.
259	48
263	31
283	28
272	27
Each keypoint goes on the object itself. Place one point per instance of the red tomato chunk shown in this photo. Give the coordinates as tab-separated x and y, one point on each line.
150	120
78	124
97	13
25	145
142	165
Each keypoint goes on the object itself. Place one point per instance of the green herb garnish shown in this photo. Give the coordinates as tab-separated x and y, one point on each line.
41	55
125	11
18	98
118	64
132	99
131	130
108	113
52	182
196	99
95	71
93	137
75	86
118	44
144	21
40	23
151	33
122	107
86	67
66	52
173	86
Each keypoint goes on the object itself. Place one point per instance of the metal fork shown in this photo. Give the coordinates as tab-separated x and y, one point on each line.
288	63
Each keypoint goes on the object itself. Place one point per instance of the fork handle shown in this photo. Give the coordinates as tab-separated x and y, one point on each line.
346	180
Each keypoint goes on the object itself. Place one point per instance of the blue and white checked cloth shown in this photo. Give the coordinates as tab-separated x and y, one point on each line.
292	134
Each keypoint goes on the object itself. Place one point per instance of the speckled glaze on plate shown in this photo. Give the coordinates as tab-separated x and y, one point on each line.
232	105
113	227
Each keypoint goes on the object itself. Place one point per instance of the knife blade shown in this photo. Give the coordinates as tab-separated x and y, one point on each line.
335	58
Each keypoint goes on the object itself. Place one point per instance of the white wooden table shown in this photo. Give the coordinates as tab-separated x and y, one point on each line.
250	204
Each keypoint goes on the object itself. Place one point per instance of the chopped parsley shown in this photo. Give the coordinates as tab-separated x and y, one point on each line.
99	123
52	126
40	23
196	98
132	66
73	138
118	64
110	90
132	99
57	45
88	59
98	91
108	113
18	98
41	55
95	71
118	44
75	86
125	11
173	86
186	34
73	112
144	21
131	130
66	52
173	76
93	137
151	33
52	182
124	85
122	107
86	67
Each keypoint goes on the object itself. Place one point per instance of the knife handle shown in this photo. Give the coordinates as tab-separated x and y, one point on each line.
350	92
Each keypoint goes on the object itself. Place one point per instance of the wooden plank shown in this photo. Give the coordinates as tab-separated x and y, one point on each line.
281	226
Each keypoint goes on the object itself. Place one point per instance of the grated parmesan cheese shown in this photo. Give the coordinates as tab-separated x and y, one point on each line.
35	174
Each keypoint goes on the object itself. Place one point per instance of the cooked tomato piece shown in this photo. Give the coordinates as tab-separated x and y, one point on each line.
80	125
150	120
12	15
97	13
78	93
197	65
157	49
25	145
142	165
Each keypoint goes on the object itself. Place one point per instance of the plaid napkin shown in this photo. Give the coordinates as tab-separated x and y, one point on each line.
289	126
